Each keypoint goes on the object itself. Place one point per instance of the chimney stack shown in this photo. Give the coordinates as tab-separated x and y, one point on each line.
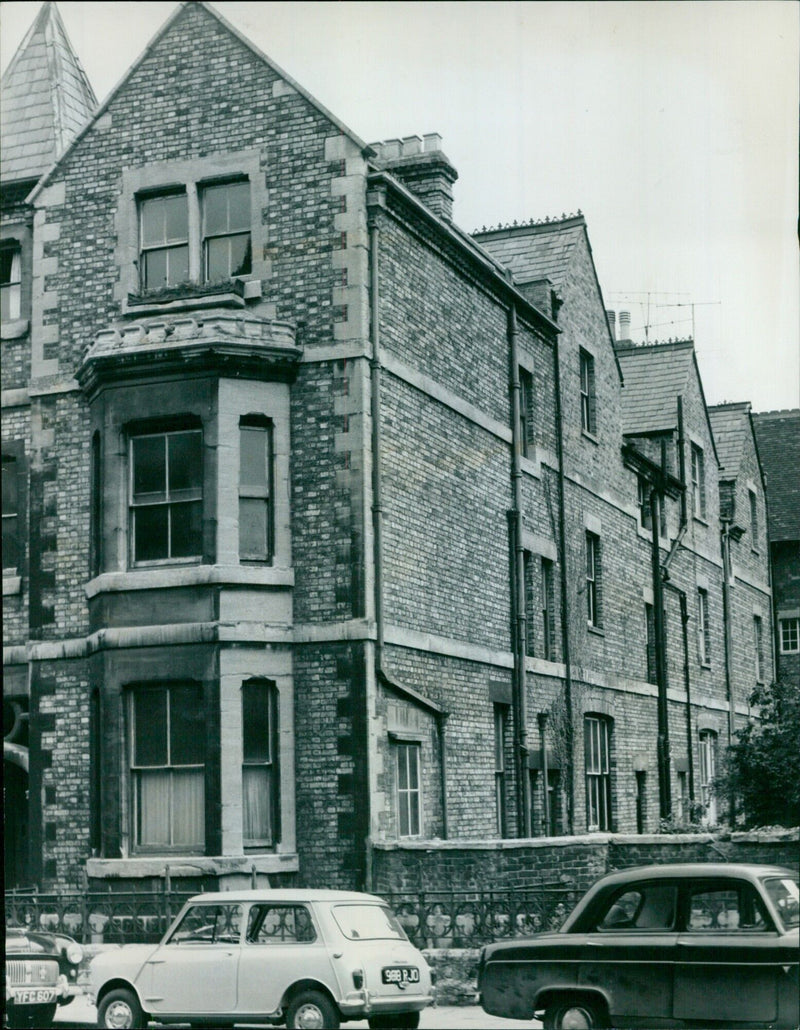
624	325
422	167
612	324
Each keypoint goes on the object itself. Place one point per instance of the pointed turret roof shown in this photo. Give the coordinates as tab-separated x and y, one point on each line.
45	99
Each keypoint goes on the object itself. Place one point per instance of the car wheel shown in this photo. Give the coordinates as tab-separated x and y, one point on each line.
120	1010
573	1014
395	1021
312	1010
31	1015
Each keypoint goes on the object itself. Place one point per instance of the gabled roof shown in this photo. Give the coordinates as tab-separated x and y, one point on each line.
778	438
364	147
540	250
45	99
730	424
655	375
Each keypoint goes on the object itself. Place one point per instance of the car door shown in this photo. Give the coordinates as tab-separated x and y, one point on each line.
727	966
283	944
629	954
195	970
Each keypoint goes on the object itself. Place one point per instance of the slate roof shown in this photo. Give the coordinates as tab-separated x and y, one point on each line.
730	423
539	251
45	99
778	439
654	377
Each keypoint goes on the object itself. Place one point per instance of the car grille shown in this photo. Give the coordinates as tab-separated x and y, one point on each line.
31	972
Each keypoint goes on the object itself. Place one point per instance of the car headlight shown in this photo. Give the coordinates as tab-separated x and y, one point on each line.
75	953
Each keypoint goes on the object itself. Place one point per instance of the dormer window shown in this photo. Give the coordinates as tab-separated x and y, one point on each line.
10	282
226	231
164	235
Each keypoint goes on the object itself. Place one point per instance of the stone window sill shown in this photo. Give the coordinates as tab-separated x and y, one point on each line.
591	437
598	631
191	865
191	575
12	585
233	294
14	328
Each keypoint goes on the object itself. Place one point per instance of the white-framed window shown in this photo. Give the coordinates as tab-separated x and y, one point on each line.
758	645
10	281
588	398
789	635
166	747
698	482
255	489
526	433
703	628
593	593
166	496
708	772
11	541
753	497
548	601
226	230
259	763
597	750
500	724
163	240
409	790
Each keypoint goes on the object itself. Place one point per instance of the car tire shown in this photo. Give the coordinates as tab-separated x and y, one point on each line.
394	1021
573	1014
312	1010
120	1010
31	1015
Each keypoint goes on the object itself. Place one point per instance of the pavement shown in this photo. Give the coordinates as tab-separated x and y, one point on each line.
79	1015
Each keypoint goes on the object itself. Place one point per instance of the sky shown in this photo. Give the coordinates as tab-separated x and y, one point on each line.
673	127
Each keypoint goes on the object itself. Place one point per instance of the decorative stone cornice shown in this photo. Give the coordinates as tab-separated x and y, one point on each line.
230	343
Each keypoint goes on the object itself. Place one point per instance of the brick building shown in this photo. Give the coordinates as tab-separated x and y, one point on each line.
778	435
330	526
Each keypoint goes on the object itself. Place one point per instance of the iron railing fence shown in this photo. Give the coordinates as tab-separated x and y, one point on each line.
471	918
431	918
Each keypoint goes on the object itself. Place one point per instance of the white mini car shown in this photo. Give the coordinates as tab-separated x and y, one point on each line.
303	958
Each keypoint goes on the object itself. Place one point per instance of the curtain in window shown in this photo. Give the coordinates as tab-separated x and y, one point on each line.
257	810
171	808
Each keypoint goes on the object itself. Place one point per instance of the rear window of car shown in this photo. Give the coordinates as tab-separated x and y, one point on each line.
783	893
368	923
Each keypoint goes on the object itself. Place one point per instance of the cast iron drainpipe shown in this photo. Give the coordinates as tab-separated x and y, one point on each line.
377	510
518	596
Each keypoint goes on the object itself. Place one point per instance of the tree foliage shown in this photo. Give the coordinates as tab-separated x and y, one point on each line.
762	771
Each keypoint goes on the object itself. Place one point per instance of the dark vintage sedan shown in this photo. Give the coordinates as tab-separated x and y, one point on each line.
41	973
659	946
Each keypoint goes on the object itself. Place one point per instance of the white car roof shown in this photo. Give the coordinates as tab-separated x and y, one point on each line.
287	894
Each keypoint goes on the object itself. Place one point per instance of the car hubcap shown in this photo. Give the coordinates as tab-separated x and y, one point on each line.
119	1016
309	1017
576	1019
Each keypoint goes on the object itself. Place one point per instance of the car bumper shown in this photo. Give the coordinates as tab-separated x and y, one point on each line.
361	1004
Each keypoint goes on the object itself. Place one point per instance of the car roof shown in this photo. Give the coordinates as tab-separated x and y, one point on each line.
680	870
285	894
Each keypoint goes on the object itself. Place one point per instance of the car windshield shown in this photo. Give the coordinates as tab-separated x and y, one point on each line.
783	893
368	923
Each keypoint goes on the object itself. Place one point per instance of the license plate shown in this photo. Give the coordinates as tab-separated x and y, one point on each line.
400	975
34	996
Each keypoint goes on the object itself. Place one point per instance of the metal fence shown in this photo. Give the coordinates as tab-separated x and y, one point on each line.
432	919
470	918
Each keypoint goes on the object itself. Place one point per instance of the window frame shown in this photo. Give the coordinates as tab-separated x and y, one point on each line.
758	644
650	642
167	245
11	288
708	742
703	628
593	580
643	502
526	428
270	763
411	751
698	473
165	432
204	188
530	633
500	719
134	770
598	730
753	499
548	587
792	634
11	519
588	398
250	492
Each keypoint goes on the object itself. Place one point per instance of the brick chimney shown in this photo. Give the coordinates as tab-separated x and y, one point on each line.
422	167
